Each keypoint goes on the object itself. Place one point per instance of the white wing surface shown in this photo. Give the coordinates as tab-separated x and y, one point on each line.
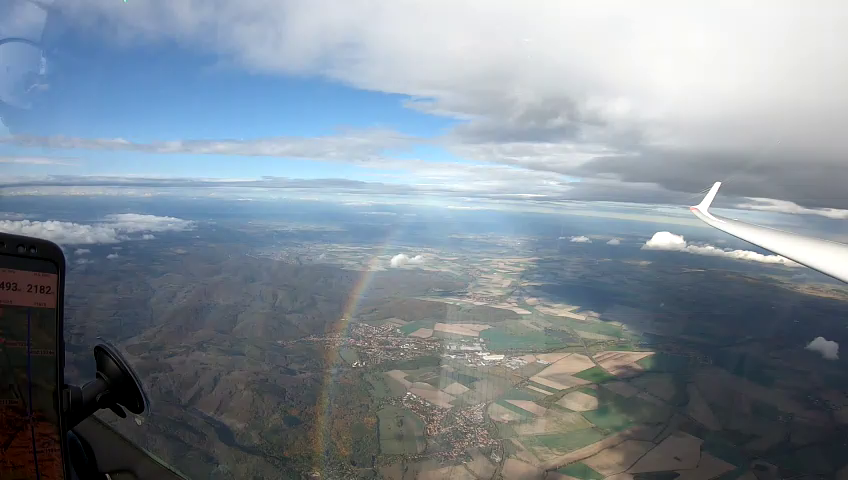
829	258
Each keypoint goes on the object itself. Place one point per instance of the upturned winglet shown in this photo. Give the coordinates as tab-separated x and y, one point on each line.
704	207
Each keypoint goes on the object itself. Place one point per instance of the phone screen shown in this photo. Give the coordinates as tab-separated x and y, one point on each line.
30	432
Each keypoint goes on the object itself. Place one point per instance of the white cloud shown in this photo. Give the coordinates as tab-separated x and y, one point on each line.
465	207
81	251
614	241
391	214
548	85
581	239
147	236
21	160
676	243
113	230
784	206
82	261
665	241
827	348
134	222
402	259
348	146
112	256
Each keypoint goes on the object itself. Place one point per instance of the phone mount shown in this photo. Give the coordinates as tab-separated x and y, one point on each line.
114	387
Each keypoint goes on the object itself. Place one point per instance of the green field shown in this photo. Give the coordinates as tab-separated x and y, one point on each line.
617	413
544	387
396	389
588	391
580	470
413	326
379	388
527	415
459	377
666	362
414	363
349	355
599	327
595	375
523	394
401	431
564	442
502	338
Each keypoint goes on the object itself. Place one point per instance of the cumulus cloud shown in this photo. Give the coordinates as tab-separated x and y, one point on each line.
827	348
581	239
113	229
633	90
112	256
402	259
82	261
148	236
676	243
614	241
81	251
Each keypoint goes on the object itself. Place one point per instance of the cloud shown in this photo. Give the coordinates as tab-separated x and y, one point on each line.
391	214
22	160
402	259
82	261
634	91
81	251
113	229
676	243
112	256
581	239
614	241
828	348
147	236
783	206
134	222
346	146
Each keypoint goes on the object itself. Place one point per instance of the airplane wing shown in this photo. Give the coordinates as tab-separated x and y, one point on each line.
829	258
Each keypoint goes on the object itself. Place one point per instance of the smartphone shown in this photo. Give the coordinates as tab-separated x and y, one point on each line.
32	433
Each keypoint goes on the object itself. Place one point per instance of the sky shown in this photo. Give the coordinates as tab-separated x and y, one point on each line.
464	102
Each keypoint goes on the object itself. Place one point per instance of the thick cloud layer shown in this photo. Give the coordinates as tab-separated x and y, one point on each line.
114	229
676	243
828	348
656	91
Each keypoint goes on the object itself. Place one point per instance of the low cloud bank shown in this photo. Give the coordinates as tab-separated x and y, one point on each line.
676	243
402	259
827	348
114	229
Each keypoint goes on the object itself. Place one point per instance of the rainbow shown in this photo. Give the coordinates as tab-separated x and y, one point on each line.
350	307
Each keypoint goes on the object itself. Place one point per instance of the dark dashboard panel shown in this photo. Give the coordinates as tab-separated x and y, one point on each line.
121	458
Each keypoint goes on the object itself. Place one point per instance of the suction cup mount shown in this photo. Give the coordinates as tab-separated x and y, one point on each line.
115	387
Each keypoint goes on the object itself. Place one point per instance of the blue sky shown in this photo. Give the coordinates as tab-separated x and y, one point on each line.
164	93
